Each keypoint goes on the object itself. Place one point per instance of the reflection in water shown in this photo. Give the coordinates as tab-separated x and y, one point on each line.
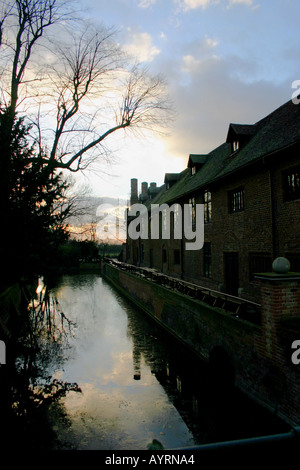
137	384
27	389
113	357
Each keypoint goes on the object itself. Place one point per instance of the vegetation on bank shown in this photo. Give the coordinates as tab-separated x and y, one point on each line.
72	253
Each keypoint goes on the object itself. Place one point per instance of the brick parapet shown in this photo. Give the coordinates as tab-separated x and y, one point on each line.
280	300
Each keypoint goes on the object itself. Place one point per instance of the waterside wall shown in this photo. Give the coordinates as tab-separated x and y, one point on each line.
237	350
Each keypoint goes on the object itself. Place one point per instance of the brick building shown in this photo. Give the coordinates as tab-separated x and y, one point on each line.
250	188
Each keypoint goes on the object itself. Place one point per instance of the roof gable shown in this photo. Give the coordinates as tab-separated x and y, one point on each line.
196	159
237	131
171	177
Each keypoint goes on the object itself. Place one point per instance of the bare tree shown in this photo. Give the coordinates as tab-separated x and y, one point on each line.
97	96
88	75
26	21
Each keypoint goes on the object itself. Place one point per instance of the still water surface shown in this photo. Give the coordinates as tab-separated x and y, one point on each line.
137	384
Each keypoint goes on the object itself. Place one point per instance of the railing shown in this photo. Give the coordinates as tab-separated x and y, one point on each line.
292	437
241	308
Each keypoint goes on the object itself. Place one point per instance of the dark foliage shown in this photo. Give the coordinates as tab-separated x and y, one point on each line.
32	200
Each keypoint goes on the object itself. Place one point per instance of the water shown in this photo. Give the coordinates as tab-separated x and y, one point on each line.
136	383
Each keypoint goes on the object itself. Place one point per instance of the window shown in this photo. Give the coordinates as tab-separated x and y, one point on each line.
164	255
207	207
236	200
142	253
235	145
164	223
259	263
177	222
151	257
194	170
294	259
292	184
192	204
207	259
176	256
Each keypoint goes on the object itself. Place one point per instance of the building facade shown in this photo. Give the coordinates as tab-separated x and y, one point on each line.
250	189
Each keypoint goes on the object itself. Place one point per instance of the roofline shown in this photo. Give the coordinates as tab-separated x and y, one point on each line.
267	155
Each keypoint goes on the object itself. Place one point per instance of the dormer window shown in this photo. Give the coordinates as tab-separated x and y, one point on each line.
171	179
239	135
196	162
235	145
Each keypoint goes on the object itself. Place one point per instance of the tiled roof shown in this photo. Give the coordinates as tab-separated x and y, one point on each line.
197	159
278	130
241	130
172	177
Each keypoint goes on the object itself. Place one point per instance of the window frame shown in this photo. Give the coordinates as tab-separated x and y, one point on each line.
235	145
207	259
176	257
192	204
164	255
289	193
236	200
294	259
207	206
262	258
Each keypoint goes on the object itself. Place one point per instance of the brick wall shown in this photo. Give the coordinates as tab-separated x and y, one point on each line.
287	213
261	356
263	229
280	300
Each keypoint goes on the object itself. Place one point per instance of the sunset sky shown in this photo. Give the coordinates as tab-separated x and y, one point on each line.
224	60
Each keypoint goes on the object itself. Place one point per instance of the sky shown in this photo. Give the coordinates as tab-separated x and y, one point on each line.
224	61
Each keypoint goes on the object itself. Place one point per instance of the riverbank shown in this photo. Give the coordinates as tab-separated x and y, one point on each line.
238	350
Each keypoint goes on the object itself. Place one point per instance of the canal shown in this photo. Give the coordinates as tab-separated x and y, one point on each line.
135	383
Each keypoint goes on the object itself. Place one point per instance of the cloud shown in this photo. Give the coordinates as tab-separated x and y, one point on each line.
189	63
193	4
187	5
141	46
146	3
209	42
240	2
213	95
196	52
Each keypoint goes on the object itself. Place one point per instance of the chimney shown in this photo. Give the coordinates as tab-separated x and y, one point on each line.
134	191
144	187
152	185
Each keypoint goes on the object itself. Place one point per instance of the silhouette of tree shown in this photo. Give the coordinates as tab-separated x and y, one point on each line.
33	205
81	86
